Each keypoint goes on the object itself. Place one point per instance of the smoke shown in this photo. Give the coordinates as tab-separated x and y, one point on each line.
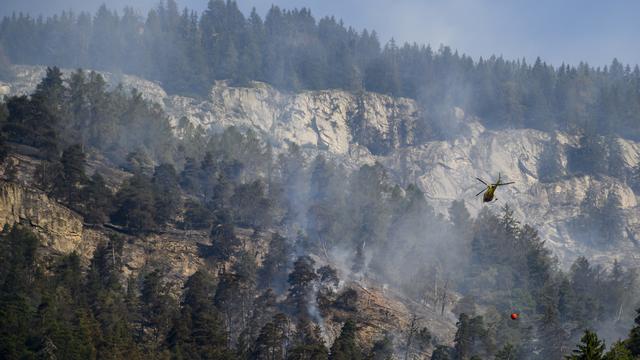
314	311
52	7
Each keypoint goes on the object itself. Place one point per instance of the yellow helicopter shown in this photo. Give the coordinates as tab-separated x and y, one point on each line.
490	190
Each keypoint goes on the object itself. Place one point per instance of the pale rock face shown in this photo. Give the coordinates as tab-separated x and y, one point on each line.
58	227
5	89
365	128
27	78
311	119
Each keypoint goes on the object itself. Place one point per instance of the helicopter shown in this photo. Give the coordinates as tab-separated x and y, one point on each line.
490	190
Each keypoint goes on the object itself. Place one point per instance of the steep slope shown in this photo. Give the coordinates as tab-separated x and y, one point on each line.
366	127
59	227
179	254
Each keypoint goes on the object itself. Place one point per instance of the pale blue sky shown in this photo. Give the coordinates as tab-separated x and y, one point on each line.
556	30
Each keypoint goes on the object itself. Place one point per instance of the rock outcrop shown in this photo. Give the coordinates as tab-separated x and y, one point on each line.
366	127
330	120
58	227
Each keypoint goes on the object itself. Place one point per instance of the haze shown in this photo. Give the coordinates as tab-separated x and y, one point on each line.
567	31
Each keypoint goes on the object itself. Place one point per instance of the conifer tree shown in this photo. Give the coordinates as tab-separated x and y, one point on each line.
301	286
633	342
618	351
590	348
345	347
68	185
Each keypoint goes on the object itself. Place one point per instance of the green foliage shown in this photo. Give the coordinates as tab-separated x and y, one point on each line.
251	205
633	342
186	52
472	338
68	185
224	241
167	200
235	293
135	204
98	200
590	156
308	344
508	352
271	343
345	347
156	306
550	167
273	273
618	351
382	349
442	352
139	162
590	348
198	332
301	283
31	123
196	216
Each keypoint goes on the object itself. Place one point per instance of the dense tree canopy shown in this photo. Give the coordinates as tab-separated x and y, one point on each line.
293	205
292	50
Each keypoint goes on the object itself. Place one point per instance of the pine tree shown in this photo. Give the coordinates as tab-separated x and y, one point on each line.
97	200
552	334
135	206
189	179
618	351
223	238
308	343
271	344
235	293
266	302
106	299
167	199
198	331
472	339
156	306
590	157
273	273
633	342
196	216
442	352
139	162
382	349
72	178
508	352
345	347
590	348
301	286
550	167
464	337
30	122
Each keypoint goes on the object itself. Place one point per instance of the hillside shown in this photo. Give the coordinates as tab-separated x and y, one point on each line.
293	221
364	128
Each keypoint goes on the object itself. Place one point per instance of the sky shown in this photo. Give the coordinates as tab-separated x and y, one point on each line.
558	31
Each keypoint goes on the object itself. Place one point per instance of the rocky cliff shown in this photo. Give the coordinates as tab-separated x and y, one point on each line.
367	127
58	227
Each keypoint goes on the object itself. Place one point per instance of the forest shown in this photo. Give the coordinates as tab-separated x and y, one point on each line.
224	182
186	51
230	182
